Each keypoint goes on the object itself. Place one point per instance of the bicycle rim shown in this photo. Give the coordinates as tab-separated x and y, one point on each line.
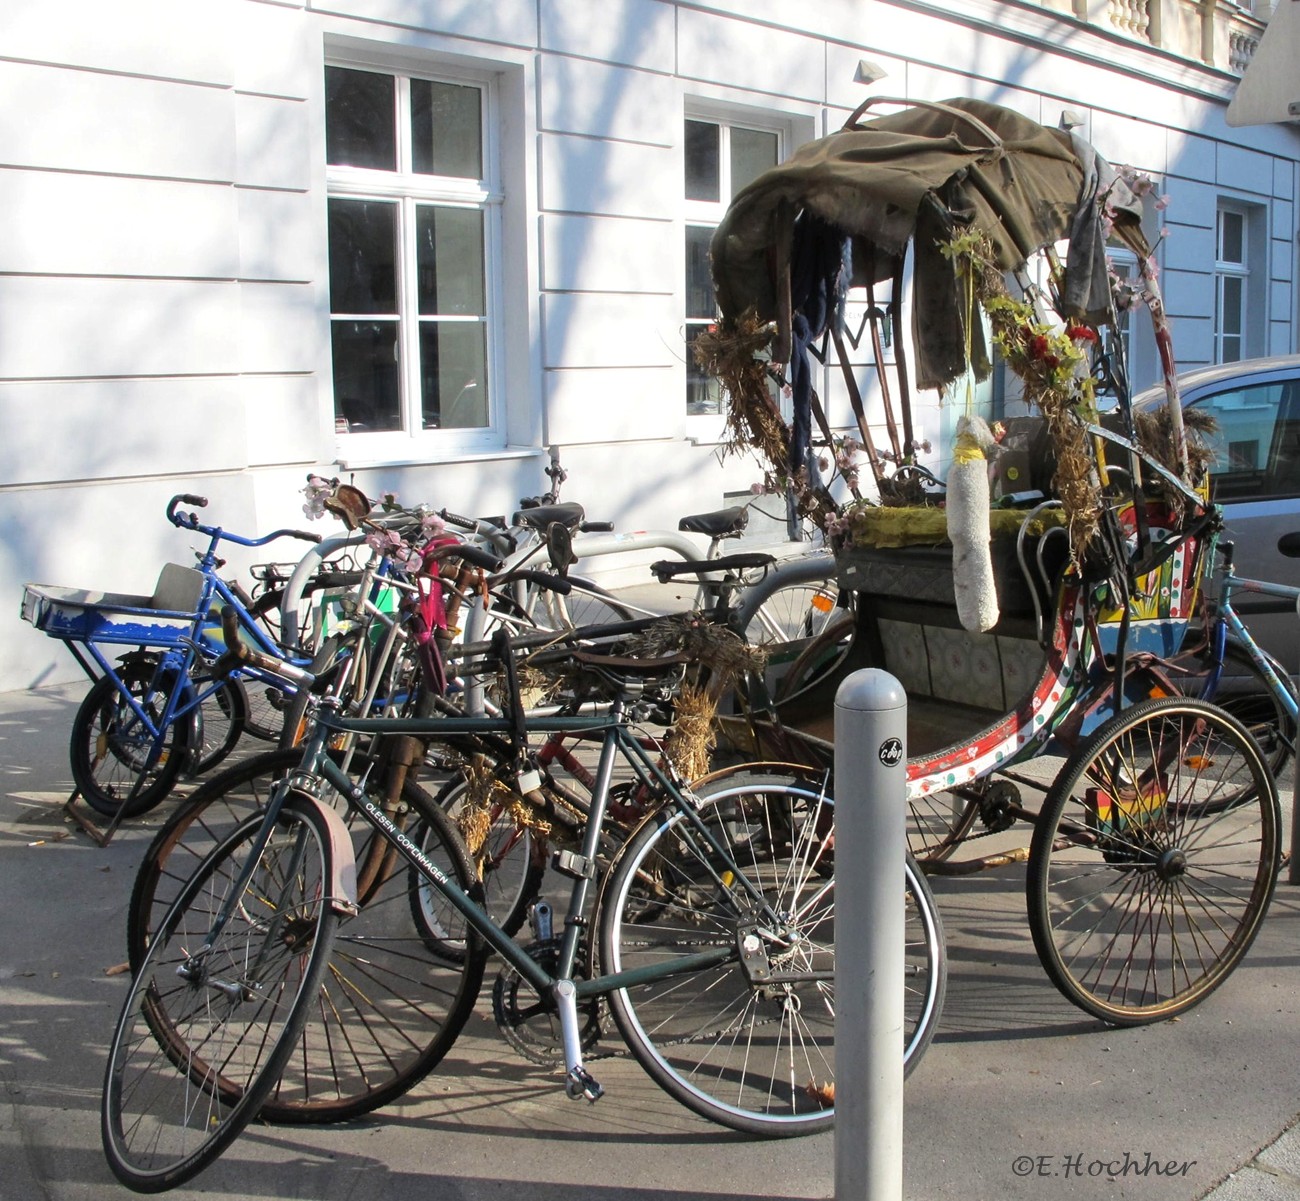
204	1033
1153	861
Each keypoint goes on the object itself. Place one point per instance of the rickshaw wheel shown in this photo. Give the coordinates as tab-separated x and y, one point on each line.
1153	861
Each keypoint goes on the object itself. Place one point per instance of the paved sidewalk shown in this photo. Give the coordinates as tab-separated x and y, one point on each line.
1021	1097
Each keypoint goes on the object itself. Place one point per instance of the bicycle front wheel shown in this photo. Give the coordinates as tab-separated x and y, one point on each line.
116	758
211	1018
387	1011
757	1056
1153	860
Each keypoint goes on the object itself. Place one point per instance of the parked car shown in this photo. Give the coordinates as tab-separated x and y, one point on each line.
1255	476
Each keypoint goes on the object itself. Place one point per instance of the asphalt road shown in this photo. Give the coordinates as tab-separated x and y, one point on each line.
1021	1096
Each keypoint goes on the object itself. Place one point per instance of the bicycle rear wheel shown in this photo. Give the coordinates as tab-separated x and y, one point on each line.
1153	860
757	1057
210	1020
387	1011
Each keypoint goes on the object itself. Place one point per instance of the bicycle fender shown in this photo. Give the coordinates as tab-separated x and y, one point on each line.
343	863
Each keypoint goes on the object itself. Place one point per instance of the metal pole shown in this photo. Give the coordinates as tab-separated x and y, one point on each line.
870	847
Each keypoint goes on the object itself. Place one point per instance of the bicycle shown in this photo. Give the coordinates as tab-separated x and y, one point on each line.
718	905
1268	703
141	724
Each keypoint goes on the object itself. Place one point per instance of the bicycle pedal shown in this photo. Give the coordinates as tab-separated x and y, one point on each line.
581	1085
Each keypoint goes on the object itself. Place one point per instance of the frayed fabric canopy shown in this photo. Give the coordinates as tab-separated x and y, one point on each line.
922	175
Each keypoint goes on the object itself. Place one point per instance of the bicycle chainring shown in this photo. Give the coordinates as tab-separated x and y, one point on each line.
531	1024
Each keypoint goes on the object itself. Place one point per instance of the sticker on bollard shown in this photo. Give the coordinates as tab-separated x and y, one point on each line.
891	752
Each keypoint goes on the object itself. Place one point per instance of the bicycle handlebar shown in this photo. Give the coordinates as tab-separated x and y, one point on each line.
240	655
190	521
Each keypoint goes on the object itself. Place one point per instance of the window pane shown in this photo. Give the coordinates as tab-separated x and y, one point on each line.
703	392
699	283
702	161
453	375
752	153
449	261
367	393
1232	290
1232	237
446	129
360	123
363	256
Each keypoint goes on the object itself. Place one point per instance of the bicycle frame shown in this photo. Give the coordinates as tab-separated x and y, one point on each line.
617	740
1227	622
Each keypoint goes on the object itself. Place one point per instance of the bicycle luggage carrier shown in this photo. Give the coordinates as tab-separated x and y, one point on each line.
84	615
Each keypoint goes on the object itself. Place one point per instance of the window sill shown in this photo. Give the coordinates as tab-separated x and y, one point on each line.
361	462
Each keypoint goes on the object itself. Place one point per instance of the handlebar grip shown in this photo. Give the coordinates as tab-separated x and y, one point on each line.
597	527
456	519
475	556
185	498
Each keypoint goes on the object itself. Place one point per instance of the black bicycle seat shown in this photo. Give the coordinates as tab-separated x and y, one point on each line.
716	525
569	514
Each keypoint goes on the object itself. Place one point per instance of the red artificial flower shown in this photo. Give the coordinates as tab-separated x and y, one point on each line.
1081	333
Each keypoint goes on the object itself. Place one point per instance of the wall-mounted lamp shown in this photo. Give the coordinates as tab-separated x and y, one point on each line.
1071	118
868	72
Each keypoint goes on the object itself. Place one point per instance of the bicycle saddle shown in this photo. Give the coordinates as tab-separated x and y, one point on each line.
569	514
720	524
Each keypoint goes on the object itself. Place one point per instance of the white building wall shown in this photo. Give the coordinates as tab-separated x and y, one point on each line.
163	271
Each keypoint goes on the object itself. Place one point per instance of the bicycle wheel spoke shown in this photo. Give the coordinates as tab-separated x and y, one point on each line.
748	1042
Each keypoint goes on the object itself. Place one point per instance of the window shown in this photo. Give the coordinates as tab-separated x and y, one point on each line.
412	235
721	158
1257	442
1231	277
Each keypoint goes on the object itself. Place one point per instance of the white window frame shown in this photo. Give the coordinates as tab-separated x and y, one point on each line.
1225	269
711	427
410	190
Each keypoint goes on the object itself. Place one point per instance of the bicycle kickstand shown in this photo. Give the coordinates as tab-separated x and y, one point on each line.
579	1084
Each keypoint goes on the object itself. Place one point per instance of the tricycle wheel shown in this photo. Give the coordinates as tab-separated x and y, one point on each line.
116	759
1153	861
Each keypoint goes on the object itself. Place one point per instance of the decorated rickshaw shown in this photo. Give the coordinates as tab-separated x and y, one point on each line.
1035	602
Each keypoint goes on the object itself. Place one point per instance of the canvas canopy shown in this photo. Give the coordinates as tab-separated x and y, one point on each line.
917	177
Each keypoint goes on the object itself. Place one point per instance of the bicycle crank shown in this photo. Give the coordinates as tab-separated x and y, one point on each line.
530	1023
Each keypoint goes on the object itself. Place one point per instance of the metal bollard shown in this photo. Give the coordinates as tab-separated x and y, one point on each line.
870	847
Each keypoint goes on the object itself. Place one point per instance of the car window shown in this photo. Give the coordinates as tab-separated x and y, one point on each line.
1257	445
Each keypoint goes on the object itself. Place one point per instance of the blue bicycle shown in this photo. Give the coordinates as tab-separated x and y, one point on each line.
156	712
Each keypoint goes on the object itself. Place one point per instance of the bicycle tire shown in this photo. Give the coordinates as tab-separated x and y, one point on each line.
508	863
203	1036
797	578
1257	707
1144	889
585	604
266	702
109	747
387	1011
695	1033
223	719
